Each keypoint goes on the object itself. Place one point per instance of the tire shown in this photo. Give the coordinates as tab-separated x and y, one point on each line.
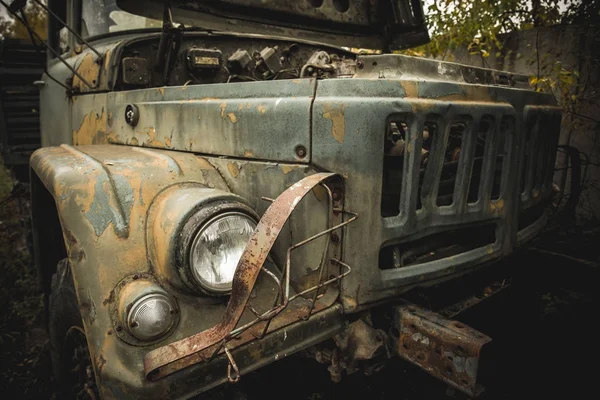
71	364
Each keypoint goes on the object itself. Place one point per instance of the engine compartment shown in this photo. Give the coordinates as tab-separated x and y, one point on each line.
201	58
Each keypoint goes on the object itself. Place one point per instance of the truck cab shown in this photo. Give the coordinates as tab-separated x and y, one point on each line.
225	183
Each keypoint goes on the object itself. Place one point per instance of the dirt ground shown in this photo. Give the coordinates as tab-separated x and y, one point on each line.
544	328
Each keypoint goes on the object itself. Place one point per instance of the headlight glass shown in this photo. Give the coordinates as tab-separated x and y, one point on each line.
217	249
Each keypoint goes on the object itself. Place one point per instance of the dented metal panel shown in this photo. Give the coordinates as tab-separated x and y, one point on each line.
258	120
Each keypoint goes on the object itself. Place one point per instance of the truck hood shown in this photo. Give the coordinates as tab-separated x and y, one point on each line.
374	24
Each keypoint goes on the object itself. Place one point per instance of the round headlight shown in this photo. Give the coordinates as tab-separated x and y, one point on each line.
216	250
151	316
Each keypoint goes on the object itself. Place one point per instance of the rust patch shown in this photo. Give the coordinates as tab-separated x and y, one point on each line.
248	153
232	117
89	69
106	59
286	169
233	168
100	363
223	106
161	91
168	141
261	109
92	129
411	88
496	206
335	113
152	141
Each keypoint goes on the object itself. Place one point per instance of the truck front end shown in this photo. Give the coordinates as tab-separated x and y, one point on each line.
225	200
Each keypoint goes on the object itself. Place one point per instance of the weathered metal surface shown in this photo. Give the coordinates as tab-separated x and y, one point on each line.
262	120
349	123
104	193
156	362
448	350
93	216
388	66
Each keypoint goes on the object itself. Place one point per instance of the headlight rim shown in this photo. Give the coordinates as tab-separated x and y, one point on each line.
125	294
200	218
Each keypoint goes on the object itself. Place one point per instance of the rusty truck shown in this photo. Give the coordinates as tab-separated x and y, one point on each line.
225	183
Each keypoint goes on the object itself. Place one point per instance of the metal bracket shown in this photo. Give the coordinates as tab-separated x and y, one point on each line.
446	349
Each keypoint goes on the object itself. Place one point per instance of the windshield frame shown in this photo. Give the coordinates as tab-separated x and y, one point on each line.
75	19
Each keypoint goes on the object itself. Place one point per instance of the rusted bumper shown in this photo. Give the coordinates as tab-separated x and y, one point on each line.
446	349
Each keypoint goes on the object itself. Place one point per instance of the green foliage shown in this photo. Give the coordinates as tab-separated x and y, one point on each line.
482	27
478	25
37	18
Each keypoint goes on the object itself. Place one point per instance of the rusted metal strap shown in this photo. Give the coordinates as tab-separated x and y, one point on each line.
446	349
157	363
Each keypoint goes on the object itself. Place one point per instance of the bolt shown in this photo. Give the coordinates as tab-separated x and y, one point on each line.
360	64
301	151
136	276
335	238
336	195
134	324
119	328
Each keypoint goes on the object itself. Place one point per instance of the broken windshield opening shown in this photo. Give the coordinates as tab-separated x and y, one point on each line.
99	17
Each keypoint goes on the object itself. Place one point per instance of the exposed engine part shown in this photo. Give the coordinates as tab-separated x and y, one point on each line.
204	59
240	61
323	65
136	71
359	343
359	347
269	62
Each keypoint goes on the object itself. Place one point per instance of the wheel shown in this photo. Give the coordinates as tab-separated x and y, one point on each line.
71	363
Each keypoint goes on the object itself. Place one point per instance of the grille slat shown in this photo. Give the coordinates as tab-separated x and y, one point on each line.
431	176
457	166
490	157
465	166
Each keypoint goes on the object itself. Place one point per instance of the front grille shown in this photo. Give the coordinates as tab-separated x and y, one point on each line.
457	160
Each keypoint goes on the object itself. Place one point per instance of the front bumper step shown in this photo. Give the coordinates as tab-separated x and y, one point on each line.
446	349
